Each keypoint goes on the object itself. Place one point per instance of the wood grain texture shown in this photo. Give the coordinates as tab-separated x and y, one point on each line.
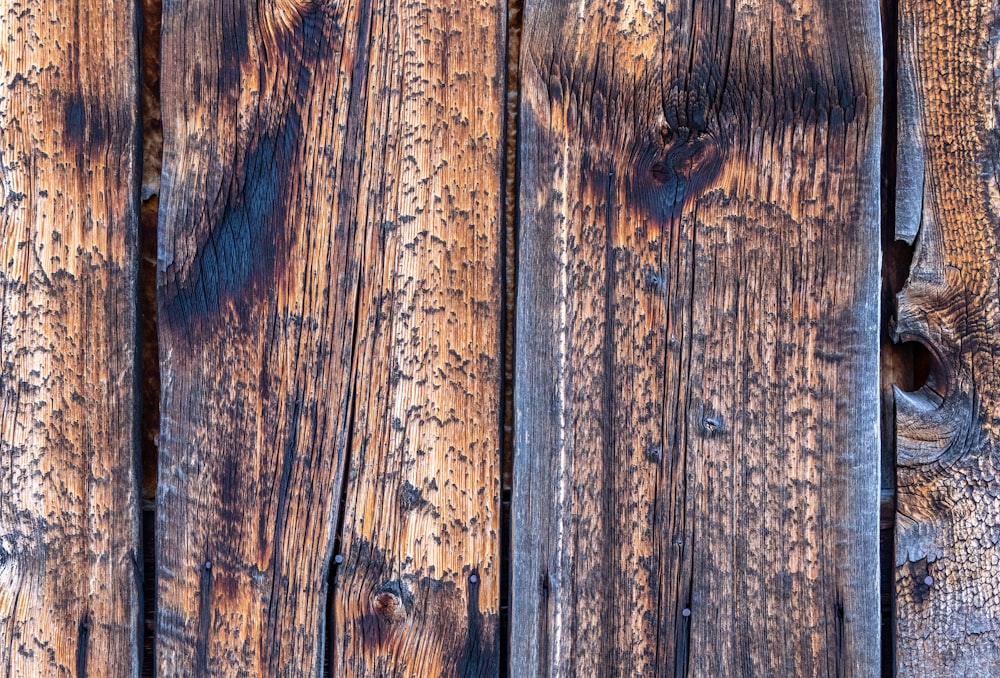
70	564
948	520
418	592
330	308
696	482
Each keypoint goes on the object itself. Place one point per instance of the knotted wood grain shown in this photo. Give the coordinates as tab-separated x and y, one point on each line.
696	482
948	520
70	561
330	305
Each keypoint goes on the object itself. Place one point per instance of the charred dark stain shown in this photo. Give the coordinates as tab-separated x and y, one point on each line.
229	478
479	656
75	115
712	84
711	103
82	645
87	122
410	497
238	259
196	78
234	51
243	243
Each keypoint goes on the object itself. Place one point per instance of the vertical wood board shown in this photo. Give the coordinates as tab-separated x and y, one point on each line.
947	580
697	450
418	592
330	309
70	562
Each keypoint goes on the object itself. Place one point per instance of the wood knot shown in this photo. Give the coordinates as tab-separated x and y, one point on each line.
390	606
391	602
680	163
936	414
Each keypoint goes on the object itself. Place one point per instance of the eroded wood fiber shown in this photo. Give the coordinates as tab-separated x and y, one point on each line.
70	561
330	309
697	456
948	521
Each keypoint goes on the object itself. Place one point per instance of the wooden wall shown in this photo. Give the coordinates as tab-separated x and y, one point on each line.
434	338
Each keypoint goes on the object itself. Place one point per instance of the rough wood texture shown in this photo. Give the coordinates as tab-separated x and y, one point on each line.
330	292
948	521
418	592
70	565
696	485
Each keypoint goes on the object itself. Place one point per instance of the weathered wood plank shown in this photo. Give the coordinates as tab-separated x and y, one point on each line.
418	592
330	305
697	456
70	563
948	520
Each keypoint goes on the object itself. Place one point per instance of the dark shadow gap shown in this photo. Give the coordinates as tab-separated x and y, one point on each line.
923	368
337	556
357	107
515	9
906	365
149	359
329	633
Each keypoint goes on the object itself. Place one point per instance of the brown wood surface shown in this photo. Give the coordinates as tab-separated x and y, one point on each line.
948	521
70	562
696	482
330	307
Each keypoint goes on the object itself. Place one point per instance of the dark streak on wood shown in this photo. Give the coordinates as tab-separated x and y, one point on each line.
205	613
82	646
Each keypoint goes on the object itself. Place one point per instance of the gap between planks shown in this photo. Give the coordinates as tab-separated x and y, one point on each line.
149	367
